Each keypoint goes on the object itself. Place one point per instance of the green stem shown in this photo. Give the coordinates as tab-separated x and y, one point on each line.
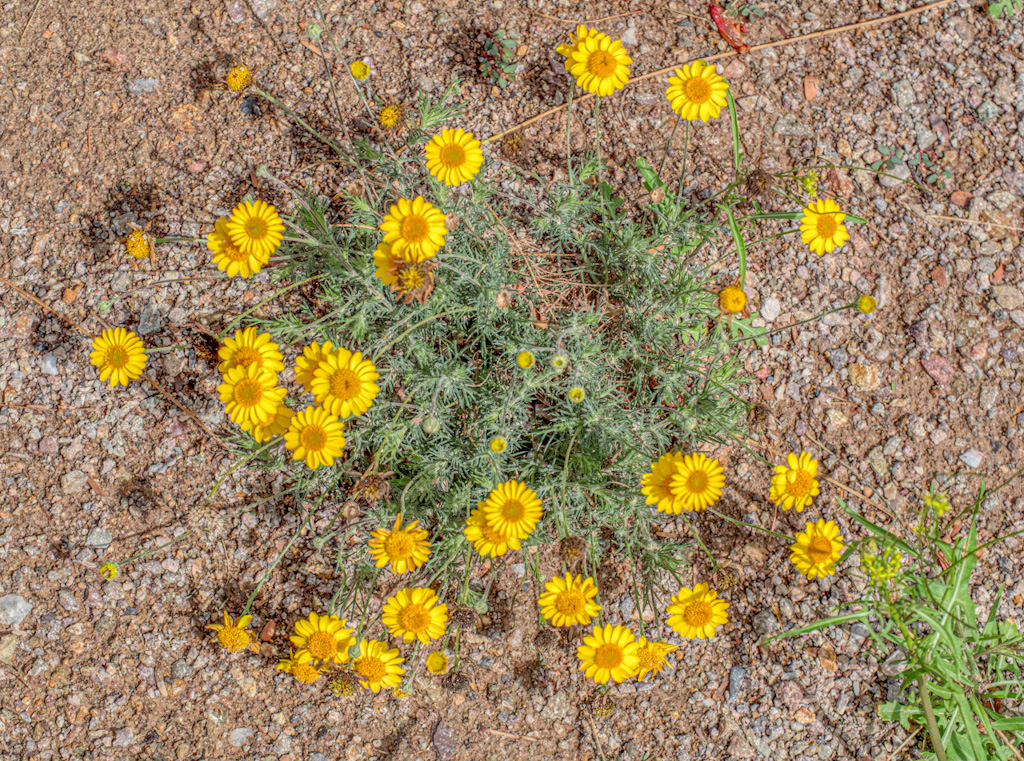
714	563
147	553
305	125
741	249
929	716
737	522
568	130
157	349
734	123
686	155
795	324
597	131
269	298
668	146
432	317
179	240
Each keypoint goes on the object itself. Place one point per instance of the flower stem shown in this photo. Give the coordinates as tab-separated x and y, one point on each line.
668	146
795	324
929	717
568	130
156	349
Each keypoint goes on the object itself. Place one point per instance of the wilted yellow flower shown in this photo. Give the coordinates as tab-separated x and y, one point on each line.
732	300
300	665
576	394
652	657
110	571
866	304
232	635
498	445
437	662
525	360
239	78
139	244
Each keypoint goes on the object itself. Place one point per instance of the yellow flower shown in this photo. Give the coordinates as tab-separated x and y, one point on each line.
559	362
256	229
405	548
307	363
119	354
498	445
695	613
512	509
239	78
866	304
385	260
359	71
581	34
732	300
569	601
796	485
822	226
251	395
325	638
454	156
880	569
437	663
377	666
817	549
652	657
250	348
697	92
277	426
525	360
391	117
937	501
315	435
343	383
608	653
677	482
599	64
110	571
576	394
415	229
228	257
232	635
139	244
300	666
486	540
414	613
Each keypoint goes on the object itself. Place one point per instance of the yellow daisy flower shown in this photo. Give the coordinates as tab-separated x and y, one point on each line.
139	244
680	482
110	571
732	300
277	426
343	383
577	394
359	71
405	548
250	348
377	666
512	509
795	485
652	657
325	638
300	666
307	363
119	354
569	601
437	663
232	635
239	78
415	229
454	156
817	549
256	228
485	540
251	395
695	613
608	653
385	261
822	226
581	34
866	304
228	257
600	64
525	360
414	613
315	435
697	92
498	444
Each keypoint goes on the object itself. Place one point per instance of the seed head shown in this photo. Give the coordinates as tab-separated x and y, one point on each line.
370	489
456	681
572	550
205	521
758	185
430	425
512	146
503	299
546	638
463	617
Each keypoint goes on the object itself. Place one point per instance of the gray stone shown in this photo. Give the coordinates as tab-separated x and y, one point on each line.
988	112
899	174
8	647
262	8
149	321
765	622
99	538
13	609
236	12
987	398
787	125
972	458
770	309
1004	91
49	364
859	634
838	358
74	482
629	36
925	137
124	737
1001	199
894	664
446	742
67	600
319	757
878	463
786	608
1008	297
558	707
240	736
519	569
138	86
903	93
181	669
283	744
736	674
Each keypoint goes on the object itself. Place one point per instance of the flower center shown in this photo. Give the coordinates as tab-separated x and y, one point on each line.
452	156
371	669
697	482
234	253
570	602
313	438
305	673
414	228
248	355
819	549
234	639
602	64
513	511
491	535
256	229
827	226
414	619
117	357
389	116
322	646
345	383
608	656
698	614
799	483
411	279
249	392
648	657
398	546
697	90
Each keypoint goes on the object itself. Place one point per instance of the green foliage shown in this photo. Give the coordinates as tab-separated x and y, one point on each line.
1008	8
744	9
497	61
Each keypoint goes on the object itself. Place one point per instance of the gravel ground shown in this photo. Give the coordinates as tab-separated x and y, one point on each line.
109	119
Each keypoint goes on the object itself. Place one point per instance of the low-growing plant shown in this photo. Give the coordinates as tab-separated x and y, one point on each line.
498	58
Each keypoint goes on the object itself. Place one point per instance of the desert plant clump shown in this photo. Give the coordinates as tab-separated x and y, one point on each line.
497	58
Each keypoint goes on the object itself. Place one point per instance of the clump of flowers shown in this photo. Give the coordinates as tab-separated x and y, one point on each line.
680	482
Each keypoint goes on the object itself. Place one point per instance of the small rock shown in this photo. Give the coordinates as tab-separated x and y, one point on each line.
903	93
895	176
858	634
519	569
181	669
938	368
236	12
629	36
770	309
149	321
987	398
810	87
972	458
49	364
283	744
864	377
138	86
67	600
805	716
960	198
74	482
1008	297
13	609
1001	199
240	736
124	737
878	462
262	8
8	646
445	742
786	608
894	664
736	674
988	112
787	125
557	707
765	622
99	538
